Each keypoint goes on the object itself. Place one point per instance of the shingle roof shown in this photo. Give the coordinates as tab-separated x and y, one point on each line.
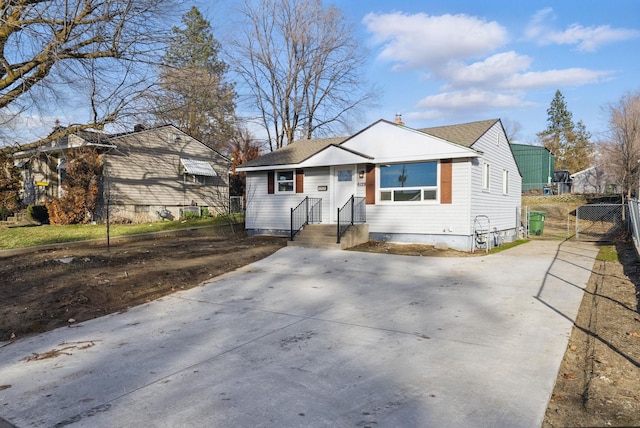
295	152
464	134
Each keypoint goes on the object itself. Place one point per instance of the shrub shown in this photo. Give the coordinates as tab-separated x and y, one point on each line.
186	215
10	185
81	189
38	213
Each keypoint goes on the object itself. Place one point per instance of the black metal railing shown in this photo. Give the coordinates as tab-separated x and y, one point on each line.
353	212
307	211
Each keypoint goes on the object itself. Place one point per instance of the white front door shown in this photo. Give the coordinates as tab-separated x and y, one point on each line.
344	186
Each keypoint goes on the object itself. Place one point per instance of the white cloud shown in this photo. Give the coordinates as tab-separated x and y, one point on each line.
554	78
420	40
471	99
467	60
493	69
586	39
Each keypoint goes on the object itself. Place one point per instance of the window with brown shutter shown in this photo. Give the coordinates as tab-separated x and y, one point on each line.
299	181
370	183
270	182
446	173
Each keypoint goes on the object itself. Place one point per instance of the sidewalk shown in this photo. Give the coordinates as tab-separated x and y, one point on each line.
317	338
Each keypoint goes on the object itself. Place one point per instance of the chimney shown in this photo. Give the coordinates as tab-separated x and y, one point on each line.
138	127
398	120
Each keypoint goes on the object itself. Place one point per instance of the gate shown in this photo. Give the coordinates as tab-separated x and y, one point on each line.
601	222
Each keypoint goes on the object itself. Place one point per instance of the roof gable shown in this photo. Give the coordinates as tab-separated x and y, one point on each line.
388	142
83	137
293	153
333	155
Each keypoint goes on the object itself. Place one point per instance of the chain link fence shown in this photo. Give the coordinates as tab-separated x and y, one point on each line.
573	217
548	221
601	222
236	204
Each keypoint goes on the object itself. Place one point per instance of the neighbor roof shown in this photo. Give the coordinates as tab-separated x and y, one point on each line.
91	138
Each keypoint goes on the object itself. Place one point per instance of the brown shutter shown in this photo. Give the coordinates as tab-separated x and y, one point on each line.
370	183
446	181
299	181
270	182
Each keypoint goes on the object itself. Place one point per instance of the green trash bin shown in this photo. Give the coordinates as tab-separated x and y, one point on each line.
536	222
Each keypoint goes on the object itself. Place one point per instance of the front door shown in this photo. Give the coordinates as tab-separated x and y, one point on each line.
344	186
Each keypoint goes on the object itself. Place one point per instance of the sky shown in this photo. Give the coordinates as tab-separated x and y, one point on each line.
447	62
454	61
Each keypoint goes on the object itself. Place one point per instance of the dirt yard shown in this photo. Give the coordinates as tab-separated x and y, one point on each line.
49	289
598	383
599	380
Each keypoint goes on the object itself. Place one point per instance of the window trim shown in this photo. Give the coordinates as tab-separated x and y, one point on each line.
391	190
292	181
505	181
486	177
195	180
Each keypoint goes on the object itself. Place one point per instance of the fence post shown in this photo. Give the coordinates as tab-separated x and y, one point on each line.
577	222
338	231
353	201
306	207
291	228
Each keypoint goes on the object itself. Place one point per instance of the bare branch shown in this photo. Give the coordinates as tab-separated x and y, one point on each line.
49	47
301	66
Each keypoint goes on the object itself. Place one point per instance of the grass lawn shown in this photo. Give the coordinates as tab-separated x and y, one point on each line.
28	236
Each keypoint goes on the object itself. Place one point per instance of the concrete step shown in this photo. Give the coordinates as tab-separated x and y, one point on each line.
329	230
325	236
320	245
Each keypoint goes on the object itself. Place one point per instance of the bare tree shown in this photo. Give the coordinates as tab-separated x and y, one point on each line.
621	150
87	54
302	67
512	128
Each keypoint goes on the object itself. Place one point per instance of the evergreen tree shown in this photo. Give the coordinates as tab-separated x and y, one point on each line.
568	142
194	94
580	152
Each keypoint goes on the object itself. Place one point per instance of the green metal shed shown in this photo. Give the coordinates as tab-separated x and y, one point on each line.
536	165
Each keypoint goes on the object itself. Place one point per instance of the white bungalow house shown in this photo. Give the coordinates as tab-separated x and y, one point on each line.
457	185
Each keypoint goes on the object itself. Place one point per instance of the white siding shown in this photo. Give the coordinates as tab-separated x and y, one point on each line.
272	212
500	208
427	218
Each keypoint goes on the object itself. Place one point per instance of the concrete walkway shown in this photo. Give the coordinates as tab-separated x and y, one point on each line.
317	338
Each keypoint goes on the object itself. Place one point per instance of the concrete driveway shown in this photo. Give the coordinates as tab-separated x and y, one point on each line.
317	338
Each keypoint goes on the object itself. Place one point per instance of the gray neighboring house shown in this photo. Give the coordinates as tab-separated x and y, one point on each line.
594	180
147	172
426	186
